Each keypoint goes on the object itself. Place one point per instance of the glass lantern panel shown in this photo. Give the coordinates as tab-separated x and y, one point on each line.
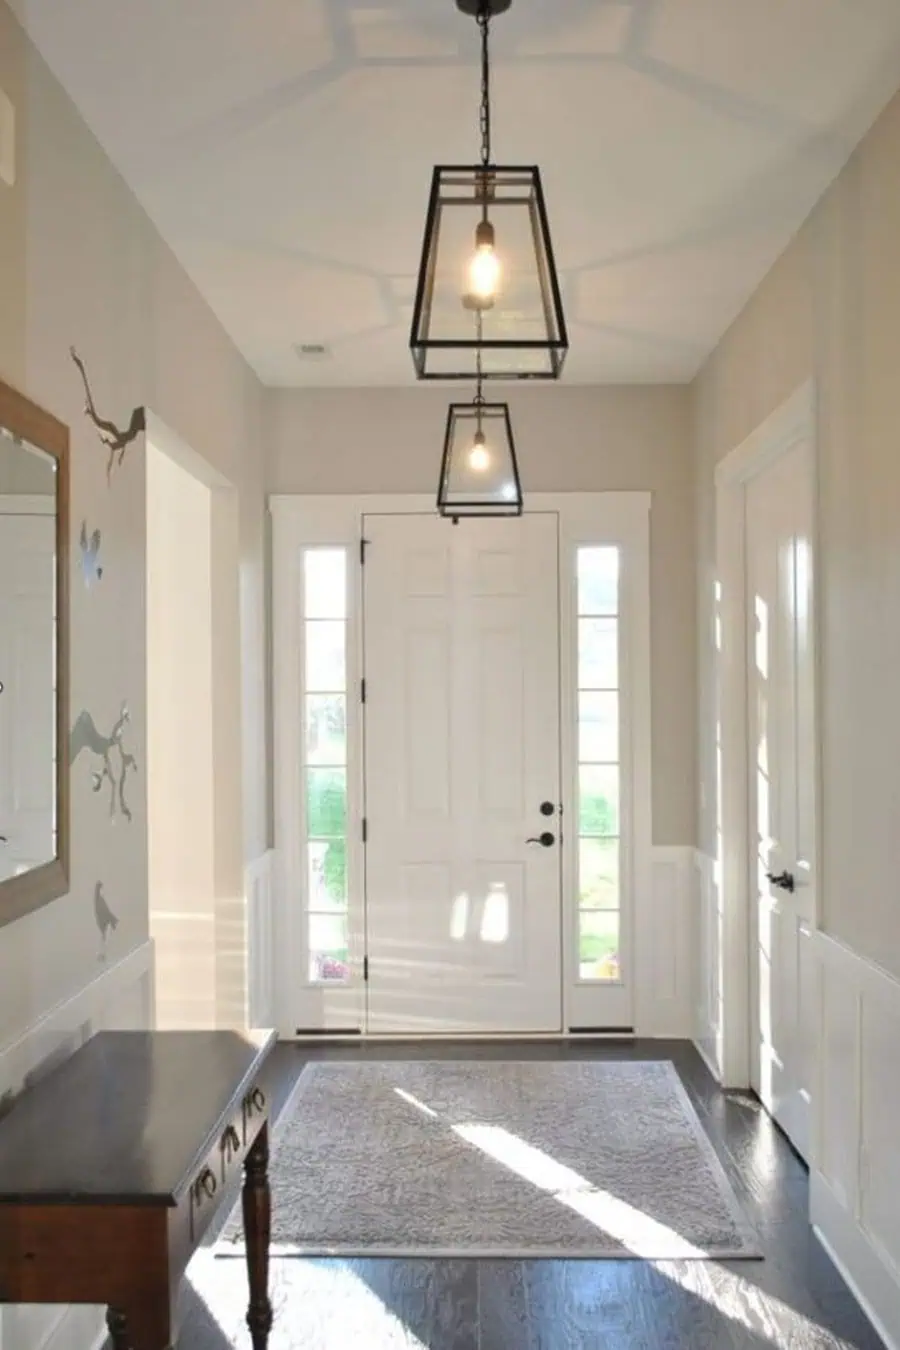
504	296
479	472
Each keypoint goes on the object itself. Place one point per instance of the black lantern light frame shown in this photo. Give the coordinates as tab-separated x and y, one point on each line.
465	204
487	489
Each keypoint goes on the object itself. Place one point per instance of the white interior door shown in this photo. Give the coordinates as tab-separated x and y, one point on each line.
781	724
27	702
462	748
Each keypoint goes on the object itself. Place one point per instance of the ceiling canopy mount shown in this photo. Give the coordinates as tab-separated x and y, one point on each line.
475	7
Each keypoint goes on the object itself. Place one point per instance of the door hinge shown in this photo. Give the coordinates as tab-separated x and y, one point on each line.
362	690
362	552
365	830
365	968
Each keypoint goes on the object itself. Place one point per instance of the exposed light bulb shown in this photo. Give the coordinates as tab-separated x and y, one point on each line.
484	269
484	273
479	457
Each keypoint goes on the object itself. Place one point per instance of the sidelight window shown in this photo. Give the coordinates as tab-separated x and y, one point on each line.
325	761
599	779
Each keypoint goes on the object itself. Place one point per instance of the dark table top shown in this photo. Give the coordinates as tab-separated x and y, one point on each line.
127	1118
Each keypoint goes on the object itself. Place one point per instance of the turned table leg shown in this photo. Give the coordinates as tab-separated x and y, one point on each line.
117	1326
257	1209
141	1326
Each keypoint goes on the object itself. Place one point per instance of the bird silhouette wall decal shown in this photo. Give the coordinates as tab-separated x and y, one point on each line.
89	555
104	917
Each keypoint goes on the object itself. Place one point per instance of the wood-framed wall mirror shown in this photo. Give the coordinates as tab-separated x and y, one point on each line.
34	656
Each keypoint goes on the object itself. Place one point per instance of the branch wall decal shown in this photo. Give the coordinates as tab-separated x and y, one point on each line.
85	736
114	438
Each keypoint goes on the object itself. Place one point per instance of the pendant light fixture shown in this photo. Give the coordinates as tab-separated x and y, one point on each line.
487	278
479	469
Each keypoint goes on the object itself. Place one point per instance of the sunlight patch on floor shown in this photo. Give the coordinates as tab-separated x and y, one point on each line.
742	1302
736	1298
637	1232
414	1101
317	1306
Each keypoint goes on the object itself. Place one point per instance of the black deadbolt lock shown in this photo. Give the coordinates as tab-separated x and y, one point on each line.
547	808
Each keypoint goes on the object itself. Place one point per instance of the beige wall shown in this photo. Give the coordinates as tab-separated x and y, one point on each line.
830	308
80	263
12	210
568	439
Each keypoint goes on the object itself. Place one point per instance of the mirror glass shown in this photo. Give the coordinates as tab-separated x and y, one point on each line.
28	657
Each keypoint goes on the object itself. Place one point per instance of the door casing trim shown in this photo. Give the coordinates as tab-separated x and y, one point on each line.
302	520
790	424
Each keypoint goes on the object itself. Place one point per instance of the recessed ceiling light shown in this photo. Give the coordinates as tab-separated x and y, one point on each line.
312	351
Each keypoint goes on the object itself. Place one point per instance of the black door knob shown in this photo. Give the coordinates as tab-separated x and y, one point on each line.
784	879
546	840
547	808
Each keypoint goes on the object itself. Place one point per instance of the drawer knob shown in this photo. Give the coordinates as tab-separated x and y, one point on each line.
230	1143
254	1101
205	1185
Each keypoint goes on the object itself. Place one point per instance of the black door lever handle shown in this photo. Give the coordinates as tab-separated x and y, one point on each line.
784	879
546	840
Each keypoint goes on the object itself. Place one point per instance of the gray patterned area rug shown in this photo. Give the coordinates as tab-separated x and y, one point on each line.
498	1159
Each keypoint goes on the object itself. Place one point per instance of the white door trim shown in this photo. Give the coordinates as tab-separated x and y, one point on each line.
794	421
300	521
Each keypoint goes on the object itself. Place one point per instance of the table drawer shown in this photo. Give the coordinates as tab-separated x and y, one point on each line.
218	1176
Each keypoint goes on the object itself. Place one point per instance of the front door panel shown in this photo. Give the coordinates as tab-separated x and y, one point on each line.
461	749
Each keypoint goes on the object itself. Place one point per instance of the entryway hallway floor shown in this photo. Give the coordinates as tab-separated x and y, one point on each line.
794	1298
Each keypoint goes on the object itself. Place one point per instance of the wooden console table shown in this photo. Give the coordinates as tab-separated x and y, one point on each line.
113	1167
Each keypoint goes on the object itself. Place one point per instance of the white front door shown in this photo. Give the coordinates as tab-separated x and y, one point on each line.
462	773
27	701
781	725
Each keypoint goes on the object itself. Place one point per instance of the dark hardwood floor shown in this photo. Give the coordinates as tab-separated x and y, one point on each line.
794	1298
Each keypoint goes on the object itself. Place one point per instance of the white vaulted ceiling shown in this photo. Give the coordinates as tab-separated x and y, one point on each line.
284	150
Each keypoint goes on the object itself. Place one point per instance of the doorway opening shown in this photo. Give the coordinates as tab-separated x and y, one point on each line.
194	816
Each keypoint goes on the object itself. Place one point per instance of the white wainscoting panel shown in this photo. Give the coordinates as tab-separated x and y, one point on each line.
666	945
707	1023
836	1139
121	997
259	889
855	1180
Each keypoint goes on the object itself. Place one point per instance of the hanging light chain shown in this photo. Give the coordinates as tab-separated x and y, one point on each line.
479	396
484	23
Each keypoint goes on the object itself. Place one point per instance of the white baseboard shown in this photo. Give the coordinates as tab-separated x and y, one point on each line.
119	997
259	890
702	1049
874	1284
